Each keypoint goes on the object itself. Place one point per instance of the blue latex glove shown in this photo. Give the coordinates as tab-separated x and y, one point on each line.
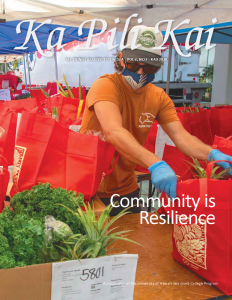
218	155
163	178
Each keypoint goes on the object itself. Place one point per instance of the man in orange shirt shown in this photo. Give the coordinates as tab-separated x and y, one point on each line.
122	108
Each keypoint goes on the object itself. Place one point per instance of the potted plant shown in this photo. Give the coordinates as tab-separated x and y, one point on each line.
207	76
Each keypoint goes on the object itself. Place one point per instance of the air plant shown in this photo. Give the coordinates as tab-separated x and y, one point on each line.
98	235
62	91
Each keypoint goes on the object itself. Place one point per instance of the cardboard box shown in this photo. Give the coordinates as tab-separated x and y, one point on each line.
33	282
26	283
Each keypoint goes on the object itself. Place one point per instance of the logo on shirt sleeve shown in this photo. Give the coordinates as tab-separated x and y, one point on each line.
146	120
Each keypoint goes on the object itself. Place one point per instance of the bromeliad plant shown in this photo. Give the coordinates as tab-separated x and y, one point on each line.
62	92
98	235
189	109
67	93
55	113
199	172
80	98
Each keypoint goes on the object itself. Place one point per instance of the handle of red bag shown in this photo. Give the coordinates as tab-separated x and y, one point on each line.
196	104
228	139
38	109
111	169
7	171
223	143
6	166
210	166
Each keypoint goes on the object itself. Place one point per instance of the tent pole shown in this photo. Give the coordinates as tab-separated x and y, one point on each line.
25	71
56	69
169	66
29	76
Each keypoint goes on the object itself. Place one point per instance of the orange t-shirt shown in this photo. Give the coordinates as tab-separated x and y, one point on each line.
139	109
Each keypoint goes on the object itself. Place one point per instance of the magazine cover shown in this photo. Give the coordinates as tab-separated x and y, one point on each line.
115	150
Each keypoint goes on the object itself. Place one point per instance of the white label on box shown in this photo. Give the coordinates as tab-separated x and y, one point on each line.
161	139
104	278
5	94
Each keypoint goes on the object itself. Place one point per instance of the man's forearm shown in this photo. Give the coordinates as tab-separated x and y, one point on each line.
128	146
193	147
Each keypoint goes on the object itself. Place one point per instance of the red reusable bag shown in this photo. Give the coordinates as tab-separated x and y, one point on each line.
45	151
176	159
67	109
223	144
38	94
149	144
8	81
184	119
75	92
8	122
28	103
205	249
52	88
4	181
198	124
221	120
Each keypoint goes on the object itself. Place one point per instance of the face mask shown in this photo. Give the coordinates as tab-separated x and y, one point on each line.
136	81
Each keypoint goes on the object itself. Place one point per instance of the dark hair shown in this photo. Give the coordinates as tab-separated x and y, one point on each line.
117	64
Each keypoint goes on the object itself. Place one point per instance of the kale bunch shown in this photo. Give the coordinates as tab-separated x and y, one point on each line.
42	200
21	240
28	239
7	259
23	229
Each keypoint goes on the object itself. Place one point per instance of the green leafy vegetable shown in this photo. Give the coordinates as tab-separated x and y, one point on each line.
48	224
40	201
21	241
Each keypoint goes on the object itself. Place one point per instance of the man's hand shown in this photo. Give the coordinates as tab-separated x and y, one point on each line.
218	155
163	178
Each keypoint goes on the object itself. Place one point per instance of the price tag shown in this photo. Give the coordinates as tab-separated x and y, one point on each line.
104	278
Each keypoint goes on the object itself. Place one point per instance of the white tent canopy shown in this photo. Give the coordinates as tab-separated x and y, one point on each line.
73	12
